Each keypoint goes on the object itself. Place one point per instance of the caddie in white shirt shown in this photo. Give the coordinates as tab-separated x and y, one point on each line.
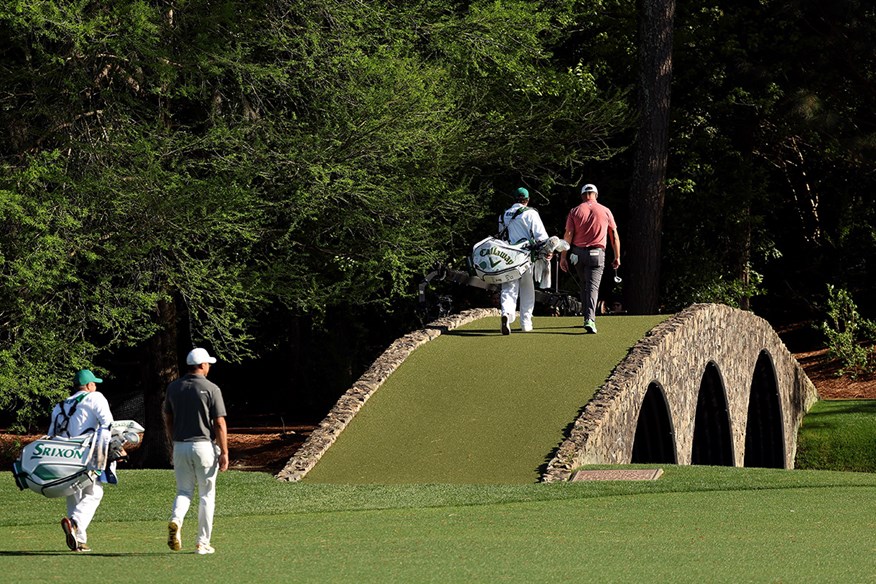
522	223
83	412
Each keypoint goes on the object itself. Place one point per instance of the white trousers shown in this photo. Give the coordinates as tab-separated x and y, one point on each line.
524	289
196	464
81	507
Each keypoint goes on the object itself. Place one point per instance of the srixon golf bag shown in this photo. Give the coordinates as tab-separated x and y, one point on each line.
59	467
496	261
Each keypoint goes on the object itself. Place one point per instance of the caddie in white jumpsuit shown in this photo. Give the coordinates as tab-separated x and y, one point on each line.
523	224
194	413
83	412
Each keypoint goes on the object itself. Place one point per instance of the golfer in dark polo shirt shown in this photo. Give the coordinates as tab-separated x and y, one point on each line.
194	414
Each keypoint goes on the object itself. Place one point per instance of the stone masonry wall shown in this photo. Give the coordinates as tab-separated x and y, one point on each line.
675	354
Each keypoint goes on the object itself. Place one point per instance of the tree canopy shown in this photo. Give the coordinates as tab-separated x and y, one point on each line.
179	173
219	158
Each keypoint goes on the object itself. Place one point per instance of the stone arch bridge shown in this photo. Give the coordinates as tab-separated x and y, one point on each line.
711	385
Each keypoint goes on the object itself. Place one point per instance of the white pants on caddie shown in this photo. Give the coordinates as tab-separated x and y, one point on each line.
81	507
524	289
196	464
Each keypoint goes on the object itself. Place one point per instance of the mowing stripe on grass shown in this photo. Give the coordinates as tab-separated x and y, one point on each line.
473	406
696	524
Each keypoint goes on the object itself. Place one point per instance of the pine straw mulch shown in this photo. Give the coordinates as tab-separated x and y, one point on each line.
808	346
265	449
822	370
252	449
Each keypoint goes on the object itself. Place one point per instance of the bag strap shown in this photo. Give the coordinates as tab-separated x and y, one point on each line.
503	235
62	420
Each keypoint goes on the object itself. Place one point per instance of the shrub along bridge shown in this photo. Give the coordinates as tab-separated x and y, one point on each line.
710	385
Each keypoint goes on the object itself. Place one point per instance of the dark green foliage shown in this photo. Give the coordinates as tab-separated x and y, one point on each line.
230	158
850	337
773	144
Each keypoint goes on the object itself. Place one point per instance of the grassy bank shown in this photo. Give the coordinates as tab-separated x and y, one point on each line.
838	435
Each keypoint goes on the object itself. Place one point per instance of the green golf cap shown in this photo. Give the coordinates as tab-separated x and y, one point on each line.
84	377
522	193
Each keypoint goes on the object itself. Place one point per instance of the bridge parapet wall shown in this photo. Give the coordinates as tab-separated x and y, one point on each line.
675	355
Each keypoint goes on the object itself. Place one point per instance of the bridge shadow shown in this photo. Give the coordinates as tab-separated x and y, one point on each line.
491	332
567	432
827	419
851	407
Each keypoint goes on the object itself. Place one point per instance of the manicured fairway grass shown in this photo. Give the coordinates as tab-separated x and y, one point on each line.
473	406
695	524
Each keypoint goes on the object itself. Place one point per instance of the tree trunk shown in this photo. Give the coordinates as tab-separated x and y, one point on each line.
648	189
743	269
163	366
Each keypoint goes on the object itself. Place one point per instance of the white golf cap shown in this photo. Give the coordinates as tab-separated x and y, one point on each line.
198	356
588	188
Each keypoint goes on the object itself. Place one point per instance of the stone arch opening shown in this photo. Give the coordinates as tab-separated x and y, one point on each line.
712	438
764	434
655	438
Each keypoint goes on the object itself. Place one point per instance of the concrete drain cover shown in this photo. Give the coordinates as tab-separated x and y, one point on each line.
644	474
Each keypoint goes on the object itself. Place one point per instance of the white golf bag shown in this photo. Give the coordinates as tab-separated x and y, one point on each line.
59	467
496	261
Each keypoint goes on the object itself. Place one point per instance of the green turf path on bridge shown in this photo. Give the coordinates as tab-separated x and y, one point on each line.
473	406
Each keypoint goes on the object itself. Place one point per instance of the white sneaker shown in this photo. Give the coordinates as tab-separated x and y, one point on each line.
202	549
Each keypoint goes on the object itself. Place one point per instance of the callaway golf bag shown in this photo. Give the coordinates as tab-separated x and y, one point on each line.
496	261
59	467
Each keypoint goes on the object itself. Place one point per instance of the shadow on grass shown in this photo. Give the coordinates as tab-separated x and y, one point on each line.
470	333
490	332
848	407
23	553
567	432
549	332
826	415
